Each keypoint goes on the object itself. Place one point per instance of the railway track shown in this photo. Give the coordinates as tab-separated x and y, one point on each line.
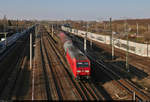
23	77
119	68
39	88
89	91
6	52
11	72
47	85
135	60
58	69
125	84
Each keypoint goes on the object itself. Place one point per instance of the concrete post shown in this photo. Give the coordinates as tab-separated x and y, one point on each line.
5	38
147	49
112	39
137	27
52	30
17	26
85	38
30	51
91	41
127	51
85	42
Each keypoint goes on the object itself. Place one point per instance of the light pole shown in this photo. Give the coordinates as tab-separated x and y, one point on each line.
126	30
5	33
127	50
85	38
137	28
112	39
91	41
147	48
17	26
52	31
30	51
137	32
148	27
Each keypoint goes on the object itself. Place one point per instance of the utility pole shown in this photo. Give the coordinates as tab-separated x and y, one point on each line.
56	25
125	25
52	30
30	51
5	33
112	39
137	32
148	27
91	42
17	25
104	26
85	38
96	28
36	31
127	51
147	48
85	42
137	27
5	29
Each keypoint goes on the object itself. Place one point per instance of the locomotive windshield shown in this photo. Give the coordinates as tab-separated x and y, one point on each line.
82	64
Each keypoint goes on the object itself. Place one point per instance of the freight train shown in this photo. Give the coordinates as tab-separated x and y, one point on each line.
78	62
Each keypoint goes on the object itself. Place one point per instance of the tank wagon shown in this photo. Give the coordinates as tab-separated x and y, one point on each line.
78	62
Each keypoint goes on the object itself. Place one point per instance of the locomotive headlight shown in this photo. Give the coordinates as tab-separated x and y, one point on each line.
87	71
78	71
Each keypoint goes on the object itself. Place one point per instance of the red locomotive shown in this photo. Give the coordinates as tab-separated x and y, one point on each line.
79	63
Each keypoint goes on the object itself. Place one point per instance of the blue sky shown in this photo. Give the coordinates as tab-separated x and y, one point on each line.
74	9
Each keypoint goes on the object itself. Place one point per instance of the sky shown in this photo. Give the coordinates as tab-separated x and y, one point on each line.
74	9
